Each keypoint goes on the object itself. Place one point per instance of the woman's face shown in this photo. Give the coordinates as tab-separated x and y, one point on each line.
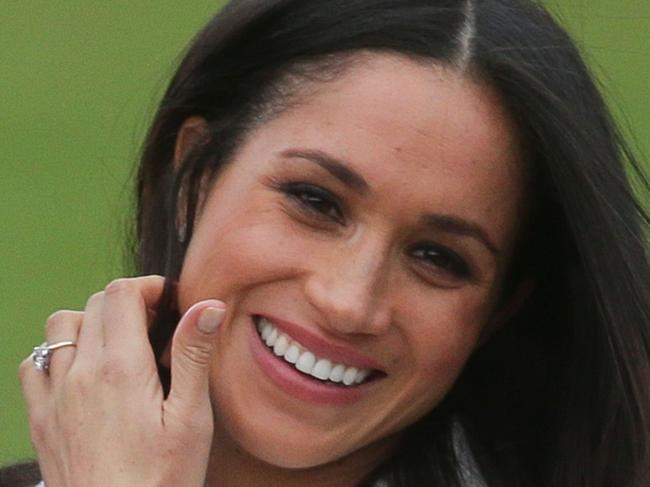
369	227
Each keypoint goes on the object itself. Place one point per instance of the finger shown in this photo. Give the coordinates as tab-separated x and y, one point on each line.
91	341
126	317
192	349
62	326
35	385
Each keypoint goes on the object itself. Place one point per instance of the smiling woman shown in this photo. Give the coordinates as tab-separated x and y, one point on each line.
347	268
398	247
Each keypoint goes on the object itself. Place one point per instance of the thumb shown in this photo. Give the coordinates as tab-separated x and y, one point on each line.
192	348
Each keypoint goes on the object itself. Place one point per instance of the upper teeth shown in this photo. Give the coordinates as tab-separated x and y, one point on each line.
304	360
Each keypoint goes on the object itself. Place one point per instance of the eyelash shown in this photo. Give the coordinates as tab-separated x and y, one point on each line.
311	199
451	262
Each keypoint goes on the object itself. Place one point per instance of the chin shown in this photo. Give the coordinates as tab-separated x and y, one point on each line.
280	444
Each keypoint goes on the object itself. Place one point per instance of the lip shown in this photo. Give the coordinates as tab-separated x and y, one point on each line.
323	348
298	385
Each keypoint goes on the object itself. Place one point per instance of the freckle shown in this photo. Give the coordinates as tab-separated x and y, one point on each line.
397	149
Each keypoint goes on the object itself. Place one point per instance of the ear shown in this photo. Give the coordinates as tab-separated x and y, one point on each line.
192	132
507	310
189	135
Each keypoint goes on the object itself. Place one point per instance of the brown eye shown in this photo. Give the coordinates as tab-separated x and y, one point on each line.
315	200
440	258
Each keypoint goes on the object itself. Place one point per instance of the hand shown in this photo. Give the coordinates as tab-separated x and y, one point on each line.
98	418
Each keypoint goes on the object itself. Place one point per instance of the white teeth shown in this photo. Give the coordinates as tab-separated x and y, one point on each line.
266	330
305	361
292	354
273	336
361	376
322	369
349	376
280	346
336	375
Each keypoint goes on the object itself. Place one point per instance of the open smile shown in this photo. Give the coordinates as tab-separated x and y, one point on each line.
304	374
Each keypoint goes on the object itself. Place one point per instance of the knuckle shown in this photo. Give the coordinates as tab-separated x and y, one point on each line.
95	299
196	355
56	318
120	286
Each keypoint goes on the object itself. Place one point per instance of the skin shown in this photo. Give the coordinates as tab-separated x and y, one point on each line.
358	269
83	430
438	143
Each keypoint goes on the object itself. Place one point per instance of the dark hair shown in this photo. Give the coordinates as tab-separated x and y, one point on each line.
560	395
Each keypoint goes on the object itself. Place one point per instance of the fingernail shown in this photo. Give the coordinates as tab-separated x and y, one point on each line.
210	319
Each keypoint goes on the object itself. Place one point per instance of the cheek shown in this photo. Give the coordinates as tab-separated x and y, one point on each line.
444	333
240	250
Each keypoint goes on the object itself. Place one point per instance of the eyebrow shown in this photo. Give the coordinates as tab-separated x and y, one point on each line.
334	166
436	221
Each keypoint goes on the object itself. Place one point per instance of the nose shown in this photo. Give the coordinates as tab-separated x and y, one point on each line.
349	287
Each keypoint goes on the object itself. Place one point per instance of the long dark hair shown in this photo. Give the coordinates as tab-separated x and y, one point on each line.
560	395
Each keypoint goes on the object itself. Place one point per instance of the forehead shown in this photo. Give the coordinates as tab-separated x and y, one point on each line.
428	136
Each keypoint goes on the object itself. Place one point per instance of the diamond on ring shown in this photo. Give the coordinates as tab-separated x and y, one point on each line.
41	354
41	357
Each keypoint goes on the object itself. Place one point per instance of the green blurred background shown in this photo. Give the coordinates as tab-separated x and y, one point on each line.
79	81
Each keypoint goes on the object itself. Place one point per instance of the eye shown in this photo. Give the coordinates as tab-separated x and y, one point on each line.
439	258
314	200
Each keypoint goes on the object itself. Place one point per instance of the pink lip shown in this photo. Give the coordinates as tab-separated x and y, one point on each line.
298	385
322	348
